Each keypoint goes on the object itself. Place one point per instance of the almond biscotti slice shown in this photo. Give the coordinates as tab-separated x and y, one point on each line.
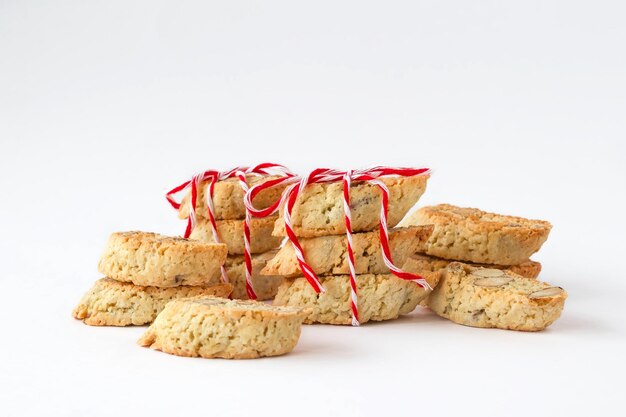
231	234
211	327
228	198
381	297
265	286
424	264
468	234
319	208
113	303
327	255
481	297
150	259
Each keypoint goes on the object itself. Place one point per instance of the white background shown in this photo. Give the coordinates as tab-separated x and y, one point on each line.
518	106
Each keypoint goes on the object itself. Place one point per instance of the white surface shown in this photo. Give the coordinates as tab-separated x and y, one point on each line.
518	108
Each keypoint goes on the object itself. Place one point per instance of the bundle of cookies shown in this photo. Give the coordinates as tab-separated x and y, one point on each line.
318	220
347	257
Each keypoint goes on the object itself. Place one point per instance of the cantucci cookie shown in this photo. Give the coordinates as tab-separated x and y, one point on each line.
318	211
228	198
424	264
381	297
211	327
150	259
265	286
327	255
114	303
484	297
468	234
230	233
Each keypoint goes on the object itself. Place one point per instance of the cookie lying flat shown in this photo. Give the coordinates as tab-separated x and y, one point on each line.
265	287
468	234
114	303
481	297
231	234
228	198
212	327
319	208
381	297
327	255
150	259
424	264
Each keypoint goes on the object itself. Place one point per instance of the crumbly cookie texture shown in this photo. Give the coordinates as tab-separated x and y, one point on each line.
228	198
381	297
327	255
468	234
212	327
265	286
318	211
485	297
114	303
150	259
425	264
230	233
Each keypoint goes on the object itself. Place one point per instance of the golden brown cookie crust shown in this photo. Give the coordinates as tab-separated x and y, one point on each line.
114	303
228	198
319	208
493	298
231	234
381	297
327	255
150	259
472	235
211	327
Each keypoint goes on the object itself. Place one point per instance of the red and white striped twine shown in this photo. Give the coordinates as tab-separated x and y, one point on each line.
212	176
325	175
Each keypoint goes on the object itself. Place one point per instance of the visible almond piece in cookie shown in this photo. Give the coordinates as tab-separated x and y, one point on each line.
472	235
505	302
211	327
327	255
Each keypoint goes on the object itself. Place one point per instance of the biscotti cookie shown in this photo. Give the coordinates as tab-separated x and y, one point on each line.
211	327
425	264
318	211
265	286
150	259
327	255
114	303
468	234
230	233
381	297
481	297
228	198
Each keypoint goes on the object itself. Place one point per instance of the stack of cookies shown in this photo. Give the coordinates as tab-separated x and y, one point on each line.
495	286
318	220
144	271
229	211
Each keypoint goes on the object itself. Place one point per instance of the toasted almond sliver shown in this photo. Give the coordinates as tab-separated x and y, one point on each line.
546	292
492	281
488	273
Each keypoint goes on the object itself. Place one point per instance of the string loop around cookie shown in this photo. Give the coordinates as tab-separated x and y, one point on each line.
295	185
213	176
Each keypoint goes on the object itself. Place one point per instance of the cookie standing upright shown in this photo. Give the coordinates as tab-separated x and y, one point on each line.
151	259
210	327
473	235
484	297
